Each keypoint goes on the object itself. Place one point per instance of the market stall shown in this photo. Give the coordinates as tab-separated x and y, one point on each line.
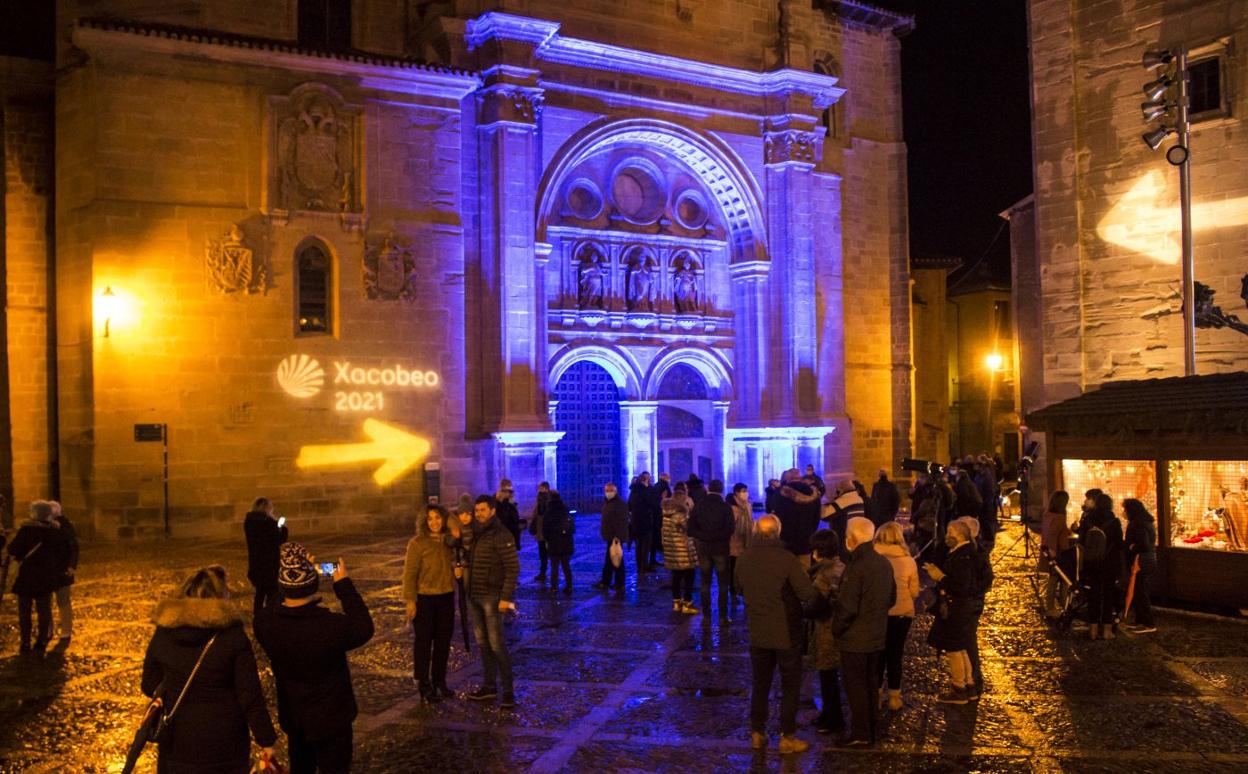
1179	445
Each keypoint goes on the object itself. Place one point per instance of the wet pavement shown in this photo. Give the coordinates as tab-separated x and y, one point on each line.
619	683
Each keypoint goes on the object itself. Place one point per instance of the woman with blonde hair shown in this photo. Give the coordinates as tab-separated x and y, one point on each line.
890	542
200	665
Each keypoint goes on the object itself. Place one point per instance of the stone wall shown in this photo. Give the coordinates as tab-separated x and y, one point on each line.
26	146
1106	207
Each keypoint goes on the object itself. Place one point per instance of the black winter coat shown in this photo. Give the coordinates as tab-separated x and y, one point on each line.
968	500
493	566
640	512
799	510
960	593
71	550
507	512
558	528
209	731
1141	541
1110	569
776	590
41	548
868	589
614	520
308	648
885	501
264	543
711	524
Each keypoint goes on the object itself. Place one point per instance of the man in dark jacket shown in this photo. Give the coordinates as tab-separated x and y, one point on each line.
39	547
307	645
641	519
614	527
711	524
771	495
493	569
860	624
508	511
64	601
967	497
798	509
265	536
696	489
885	499
776	589
990	494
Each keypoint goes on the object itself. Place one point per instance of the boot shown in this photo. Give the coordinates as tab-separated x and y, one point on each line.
1107	632
444	691
791	744
894	700
955	695
758	741
427	694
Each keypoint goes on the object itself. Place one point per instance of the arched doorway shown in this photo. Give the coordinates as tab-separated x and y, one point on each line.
587	410
685	425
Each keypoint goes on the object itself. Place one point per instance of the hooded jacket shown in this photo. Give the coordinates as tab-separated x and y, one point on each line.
798	509
906	576
264	542
678	548
41	548
429	567
308	646
209	732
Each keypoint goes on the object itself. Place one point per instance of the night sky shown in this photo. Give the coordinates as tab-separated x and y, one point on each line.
967	124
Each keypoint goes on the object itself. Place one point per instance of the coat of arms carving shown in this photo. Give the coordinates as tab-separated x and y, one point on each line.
316	151
233	267
389	271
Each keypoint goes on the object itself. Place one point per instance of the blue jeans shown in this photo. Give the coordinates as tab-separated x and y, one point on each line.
487	628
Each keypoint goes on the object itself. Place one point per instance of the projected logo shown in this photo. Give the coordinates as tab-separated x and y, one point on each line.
300	376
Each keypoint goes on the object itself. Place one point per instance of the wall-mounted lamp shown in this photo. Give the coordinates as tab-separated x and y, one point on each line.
108	307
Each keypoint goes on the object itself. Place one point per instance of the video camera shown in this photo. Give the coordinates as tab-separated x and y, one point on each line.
922	466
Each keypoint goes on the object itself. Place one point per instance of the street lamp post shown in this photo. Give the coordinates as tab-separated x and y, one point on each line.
1156	108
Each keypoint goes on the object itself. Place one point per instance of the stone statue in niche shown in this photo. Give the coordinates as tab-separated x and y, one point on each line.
232	266
685	287
592	280
641	286
389	271
316	150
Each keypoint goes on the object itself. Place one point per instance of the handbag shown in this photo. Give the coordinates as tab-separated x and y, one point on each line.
616	552
159	732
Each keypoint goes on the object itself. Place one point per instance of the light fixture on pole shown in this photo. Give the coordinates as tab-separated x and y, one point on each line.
1166	93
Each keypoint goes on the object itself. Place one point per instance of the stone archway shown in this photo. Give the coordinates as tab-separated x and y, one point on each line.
587	412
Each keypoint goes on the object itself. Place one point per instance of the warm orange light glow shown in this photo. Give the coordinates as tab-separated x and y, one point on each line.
995	362
1146	219
113	308
397	450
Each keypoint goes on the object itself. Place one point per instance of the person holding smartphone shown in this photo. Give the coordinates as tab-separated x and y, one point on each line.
265	535
307	644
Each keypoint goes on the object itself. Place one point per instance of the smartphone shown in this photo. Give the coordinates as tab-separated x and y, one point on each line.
281	521
328	568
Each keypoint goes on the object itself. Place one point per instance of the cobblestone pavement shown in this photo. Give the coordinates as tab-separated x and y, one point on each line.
620	683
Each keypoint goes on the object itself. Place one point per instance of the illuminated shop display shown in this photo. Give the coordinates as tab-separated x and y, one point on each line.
1209	504
1119	479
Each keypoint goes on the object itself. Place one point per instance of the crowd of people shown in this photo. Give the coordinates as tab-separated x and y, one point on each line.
832	580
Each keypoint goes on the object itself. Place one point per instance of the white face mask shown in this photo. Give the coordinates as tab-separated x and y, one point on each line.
610	493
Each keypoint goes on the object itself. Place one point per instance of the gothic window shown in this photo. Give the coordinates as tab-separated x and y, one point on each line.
677	423
313	284
325	24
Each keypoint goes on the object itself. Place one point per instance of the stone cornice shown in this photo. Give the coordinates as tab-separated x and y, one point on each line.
550	46
379	72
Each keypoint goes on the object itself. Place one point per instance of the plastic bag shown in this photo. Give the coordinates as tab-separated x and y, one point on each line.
616	552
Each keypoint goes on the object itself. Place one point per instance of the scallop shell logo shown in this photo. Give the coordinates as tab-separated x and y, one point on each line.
300	376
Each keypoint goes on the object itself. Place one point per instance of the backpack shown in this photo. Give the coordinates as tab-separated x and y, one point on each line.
1094	545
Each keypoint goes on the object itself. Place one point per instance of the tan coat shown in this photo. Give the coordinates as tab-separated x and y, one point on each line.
906	574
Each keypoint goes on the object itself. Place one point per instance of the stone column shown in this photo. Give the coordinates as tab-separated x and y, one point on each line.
791	152
719	430
749	300
639	431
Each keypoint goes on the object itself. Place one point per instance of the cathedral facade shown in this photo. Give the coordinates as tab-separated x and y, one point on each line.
352	255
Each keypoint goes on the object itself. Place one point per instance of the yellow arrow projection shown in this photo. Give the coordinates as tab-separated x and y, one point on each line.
397	450
1146	219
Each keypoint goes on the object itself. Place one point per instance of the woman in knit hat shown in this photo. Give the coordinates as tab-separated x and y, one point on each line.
209	730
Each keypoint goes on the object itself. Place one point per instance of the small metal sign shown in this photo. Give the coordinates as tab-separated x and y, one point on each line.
144	433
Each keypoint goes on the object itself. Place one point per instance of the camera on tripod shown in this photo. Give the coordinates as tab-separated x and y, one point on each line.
926	467
1030	453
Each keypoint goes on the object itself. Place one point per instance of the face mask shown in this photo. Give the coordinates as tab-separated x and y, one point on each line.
610	494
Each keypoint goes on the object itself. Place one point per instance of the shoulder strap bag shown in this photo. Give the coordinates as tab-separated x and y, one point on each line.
160	730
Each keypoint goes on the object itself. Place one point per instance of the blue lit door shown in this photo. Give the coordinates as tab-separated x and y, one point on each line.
589	454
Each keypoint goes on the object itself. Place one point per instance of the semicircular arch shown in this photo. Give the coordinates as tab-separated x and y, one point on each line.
624	372
710	365
730	184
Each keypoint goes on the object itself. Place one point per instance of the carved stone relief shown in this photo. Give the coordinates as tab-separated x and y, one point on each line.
232	266
791	145
316	152
389	271
686	295
514	104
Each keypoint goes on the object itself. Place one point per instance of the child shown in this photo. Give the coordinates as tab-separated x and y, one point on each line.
825	572
679	554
